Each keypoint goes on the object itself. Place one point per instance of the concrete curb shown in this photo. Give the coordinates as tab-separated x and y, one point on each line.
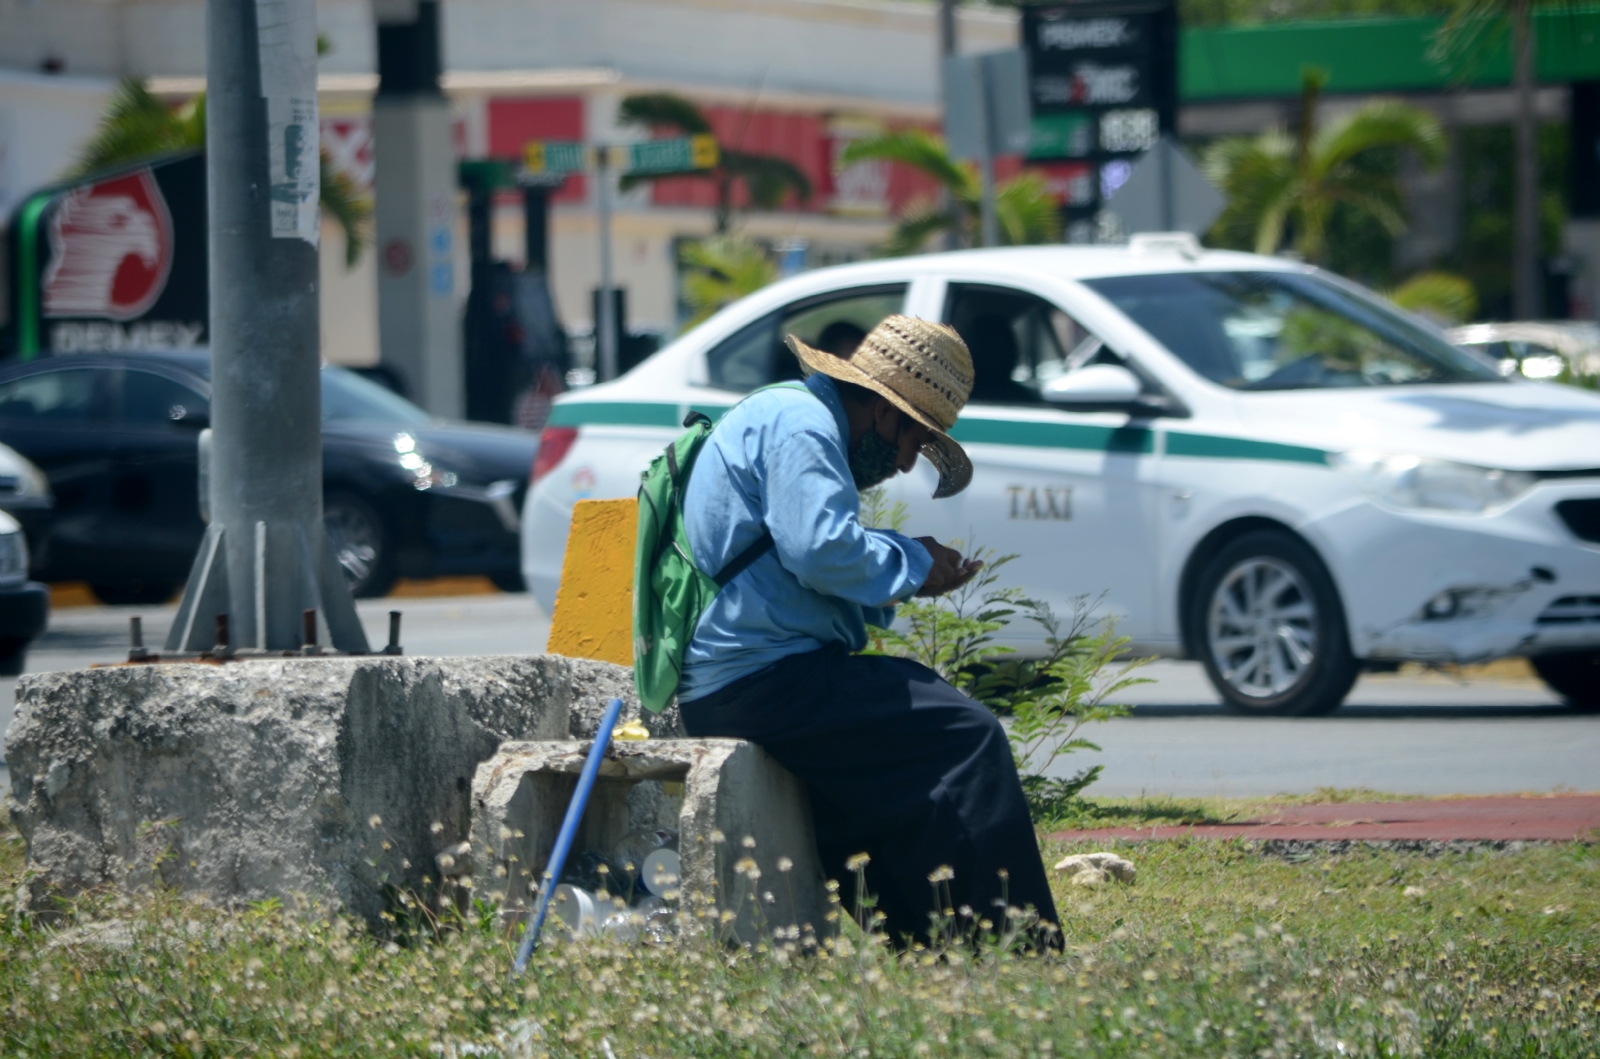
1557	818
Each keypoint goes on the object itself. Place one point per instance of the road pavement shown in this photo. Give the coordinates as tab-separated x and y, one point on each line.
1425	734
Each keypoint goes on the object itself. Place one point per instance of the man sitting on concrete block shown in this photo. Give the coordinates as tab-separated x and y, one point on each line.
900	765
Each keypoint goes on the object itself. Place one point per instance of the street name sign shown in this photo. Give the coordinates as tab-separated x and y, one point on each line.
555	157
684	154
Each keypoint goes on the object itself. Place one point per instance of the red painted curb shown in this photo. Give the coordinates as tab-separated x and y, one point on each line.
1559	818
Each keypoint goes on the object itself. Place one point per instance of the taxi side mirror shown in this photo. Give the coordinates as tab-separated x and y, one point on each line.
1105	388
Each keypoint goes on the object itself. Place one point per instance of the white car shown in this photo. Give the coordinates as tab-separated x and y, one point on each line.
1538	349
1259	465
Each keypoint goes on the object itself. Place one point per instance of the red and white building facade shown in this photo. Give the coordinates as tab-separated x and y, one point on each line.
795	78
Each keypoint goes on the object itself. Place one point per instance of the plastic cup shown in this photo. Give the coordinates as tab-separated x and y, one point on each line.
660	873
577	909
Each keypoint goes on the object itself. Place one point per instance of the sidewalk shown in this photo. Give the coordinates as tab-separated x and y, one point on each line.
1557	818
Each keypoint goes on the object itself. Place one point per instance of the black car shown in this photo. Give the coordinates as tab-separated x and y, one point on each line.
404	495
24	604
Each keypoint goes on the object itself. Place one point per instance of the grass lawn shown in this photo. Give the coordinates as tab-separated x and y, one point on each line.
1217	950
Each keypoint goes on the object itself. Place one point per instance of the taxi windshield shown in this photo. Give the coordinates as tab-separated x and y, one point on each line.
1286	331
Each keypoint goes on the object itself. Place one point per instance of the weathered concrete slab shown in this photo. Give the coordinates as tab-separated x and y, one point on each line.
717	793
259	779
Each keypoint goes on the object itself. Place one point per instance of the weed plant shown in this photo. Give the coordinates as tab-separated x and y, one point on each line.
1218	950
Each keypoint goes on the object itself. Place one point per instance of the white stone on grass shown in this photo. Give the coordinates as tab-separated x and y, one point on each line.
1105	864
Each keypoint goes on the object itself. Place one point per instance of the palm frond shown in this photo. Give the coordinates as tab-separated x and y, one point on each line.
1377	196
1381	123
1228	160
721	270
192	121
1472	34
920	150
1257	176
1026	211
1270	225
920	222
1444	296
350	209
138	125
1252	171
768	178
662	110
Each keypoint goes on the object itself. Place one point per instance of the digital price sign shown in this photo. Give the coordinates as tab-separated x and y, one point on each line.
1103	77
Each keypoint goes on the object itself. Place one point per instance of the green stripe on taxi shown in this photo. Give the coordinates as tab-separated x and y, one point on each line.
978	430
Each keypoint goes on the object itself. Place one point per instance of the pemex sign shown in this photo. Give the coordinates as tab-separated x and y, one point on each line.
112	262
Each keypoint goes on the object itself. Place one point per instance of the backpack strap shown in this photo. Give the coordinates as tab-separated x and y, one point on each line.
741	562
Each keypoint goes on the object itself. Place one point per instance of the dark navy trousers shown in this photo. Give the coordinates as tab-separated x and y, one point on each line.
900	766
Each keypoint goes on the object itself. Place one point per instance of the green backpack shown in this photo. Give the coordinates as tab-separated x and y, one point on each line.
669	591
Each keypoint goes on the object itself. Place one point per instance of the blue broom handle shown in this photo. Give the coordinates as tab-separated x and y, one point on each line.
569	832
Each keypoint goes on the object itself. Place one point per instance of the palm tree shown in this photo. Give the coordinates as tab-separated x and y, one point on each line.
1023	205
1277	183
1444	297
721	270
137	125
767	179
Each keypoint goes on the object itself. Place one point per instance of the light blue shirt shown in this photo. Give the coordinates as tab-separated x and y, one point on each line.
779	459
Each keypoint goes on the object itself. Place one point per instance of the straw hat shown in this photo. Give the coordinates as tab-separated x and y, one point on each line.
924	369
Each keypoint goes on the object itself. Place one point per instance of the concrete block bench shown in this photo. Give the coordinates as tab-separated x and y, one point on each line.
716	793
261	779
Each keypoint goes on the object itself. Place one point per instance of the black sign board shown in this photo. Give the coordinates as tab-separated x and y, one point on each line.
1585	118
117	261
1104	83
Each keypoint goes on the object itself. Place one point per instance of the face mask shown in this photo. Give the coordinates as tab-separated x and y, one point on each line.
873	460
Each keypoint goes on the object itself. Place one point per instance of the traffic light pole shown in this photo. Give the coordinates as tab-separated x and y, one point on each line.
605	327
265	560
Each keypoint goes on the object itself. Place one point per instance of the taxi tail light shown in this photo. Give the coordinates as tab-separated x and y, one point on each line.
554	444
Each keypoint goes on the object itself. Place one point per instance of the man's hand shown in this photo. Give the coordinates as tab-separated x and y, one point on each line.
950	571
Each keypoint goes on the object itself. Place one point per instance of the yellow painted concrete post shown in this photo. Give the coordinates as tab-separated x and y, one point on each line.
594	607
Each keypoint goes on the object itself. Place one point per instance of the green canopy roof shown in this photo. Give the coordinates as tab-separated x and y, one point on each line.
1379	55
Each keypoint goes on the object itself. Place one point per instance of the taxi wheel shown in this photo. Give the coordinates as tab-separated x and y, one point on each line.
1270	628
1575	675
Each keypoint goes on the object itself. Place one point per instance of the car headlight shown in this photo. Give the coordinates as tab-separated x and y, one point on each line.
424	473
13	557
1426	484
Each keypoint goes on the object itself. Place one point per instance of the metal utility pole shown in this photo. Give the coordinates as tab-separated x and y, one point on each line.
414	209
986	113
947	48
265	560
1526	295
988	219
605	327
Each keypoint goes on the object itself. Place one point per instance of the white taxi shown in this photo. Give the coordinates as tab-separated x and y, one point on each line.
1256	463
